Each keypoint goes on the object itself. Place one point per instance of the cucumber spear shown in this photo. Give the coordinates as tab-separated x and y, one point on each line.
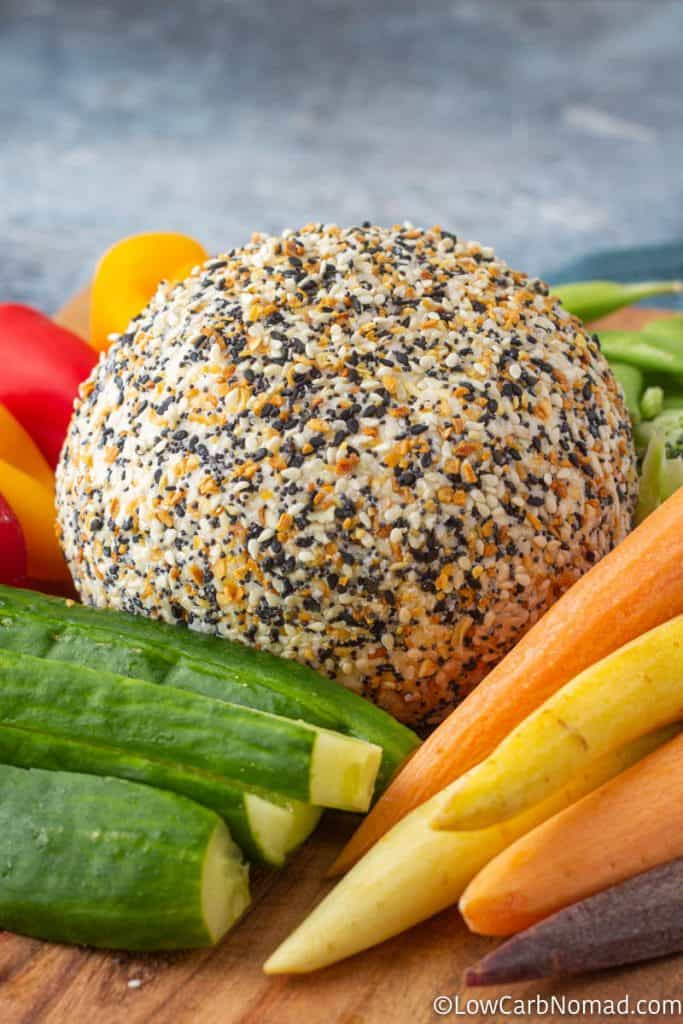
103	862
132	645
185	730
262	774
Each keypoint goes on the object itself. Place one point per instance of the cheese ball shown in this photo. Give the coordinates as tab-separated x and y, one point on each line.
379	452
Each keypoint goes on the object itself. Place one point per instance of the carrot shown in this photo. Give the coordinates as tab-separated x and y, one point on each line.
639	919
629	693
415	871
630	824
636	587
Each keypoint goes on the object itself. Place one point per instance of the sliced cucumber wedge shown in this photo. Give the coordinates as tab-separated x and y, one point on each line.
265	827
104	862
223	899
131	645
336	776
186	730
276	830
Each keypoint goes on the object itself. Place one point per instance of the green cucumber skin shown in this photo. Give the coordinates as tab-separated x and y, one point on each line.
101	862
27	749
94	647
213	666
159	723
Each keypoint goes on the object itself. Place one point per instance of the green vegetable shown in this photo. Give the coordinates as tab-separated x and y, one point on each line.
662	468
591	300
649	366
236	744
668	329
631	380
224	742
135	646
652	402
265	827
636	349
649	490
103	862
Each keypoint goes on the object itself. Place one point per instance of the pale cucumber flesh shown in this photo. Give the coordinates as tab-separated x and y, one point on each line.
343	769
278	829
225	884
105	862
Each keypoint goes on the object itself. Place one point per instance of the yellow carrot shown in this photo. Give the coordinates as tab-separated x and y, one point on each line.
627	694
627	826
414	872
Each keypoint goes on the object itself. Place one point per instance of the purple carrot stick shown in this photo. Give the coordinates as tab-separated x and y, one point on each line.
639	919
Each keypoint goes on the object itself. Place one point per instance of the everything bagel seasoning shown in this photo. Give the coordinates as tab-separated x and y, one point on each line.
380	452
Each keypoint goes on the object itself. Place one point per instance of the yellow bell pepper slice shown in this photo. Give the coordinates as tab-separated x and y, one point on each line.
128	275
19	449
34	506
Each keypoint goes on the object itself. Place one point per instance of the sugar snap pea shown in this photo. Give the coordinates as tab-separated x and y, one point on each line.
590	300
668	329
632	384
662	467
652	402
649	366
636	349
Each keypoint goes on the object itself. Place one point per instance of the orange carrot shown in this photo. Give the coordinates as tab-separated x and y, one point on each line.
639	919
628	826
636	587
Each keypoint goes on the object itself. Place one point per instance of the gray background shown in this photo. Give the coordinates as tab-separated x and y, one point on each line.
544	127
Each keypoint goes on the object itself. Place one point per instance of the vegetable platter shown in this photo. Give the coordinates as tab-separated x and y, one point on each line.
398	980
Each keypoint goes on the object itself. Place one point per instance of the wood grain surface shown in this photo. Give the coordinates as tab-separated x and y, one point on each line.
395	983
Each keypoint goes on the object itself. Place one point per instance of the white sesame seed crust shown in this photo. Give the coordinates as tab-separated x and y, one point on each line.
379	452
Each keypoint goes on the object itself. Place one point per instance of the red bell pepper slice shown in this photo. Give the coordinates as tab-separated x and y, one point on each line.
12	547
42	367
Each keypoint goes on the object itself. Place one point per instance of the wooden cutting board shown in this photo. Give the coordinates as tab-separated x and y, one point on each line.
395	983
